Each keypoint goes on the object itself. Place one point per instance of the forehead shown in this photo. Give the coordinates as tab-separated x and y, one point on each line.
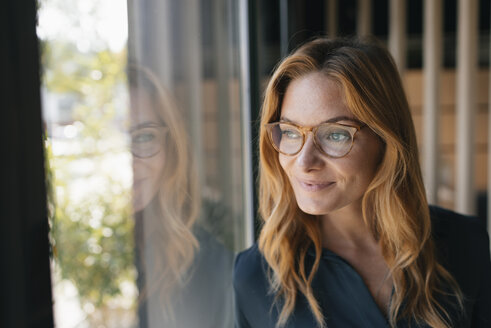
314	98
142	107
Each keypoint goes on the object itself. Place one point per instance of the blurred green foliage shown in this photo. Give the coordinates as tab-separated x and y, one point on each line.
97	256
88	188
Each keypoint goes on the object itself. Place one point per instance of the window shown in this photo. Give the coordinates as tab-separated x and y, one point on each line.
142	107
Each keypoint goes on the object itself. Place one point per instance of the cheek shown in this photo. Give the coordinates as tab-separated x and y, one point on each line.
375	155
368	166
285	163
156	165
361	165
156	168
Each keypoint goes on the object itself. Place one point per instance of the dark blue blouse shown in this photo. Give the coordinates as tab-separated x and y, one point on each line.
462	247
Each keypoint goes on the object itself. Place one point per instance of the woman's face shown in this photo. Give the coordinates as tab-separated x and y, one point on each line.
147	144
322	184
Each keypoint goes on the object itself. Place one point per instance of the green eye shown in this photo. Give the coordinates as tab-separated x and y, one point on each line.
337	136
143	137
290	134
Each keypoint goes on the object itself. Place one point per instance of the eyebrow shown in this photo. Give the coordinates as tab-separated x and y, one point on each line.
331	120
147	124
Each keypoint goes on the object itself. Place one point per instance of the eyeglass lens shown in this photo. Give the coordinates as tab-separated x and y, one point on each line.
335	140
147	142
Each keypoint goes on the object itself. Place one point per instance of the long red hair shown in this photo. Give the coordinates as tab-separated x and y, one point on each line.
394	206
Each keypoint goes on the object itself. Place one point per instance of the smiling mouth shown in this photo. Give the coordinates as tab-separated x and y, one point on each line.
314	186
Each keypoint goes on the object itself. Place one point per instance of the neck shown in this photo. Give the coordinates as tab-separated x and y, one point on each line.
345	228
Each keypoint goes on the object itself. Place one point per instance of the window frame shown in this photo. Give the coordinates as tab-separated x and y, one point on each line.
25	278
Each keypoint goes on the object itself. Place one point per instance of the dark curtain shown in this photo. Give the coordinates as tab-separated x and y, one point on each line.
26	299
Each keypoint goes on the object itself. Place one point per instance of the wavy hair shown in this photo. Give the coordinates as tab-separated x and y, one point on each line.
173	212
394	206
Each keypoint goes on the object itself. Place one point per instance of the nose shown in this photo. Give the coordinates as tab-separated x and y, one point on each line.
309	158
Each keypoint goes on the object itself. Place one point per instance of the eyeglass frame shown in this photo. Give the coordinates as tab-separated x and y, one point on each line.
313	130
148	125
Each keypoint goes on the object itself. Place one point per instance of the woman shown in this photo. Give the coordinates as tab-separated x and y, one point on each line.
183	275
348	238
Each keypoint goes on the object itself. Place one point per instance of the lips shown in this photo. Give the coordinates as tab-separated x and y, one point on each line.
309	185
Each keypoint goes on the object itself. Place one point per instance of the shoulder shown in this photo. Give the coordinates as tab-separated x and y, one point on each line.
462	247
212	265
443	215
454	229
250	278
250	266
252	292
211	247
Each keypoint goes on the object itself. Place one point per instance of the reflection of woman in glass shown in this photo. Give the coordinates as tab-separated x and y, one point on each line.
183	271
348	238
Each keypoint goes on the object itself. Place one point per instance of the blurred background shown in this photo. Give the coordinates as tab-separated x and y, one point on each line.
150	119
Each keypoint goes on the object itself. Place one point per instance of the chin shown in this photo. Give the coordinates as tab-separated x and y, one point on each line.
313	209
140	201
138	205
319	206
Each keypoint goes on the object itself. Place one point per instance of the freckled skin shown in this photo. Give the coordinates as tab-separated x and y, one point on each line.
324	185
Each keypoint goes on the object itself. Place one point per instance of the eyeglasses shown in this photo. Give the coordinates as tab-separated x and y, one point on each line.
148	141
332	139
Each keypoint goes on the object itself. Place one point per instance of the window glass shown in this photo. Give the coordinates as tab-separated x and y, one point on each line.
141	103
